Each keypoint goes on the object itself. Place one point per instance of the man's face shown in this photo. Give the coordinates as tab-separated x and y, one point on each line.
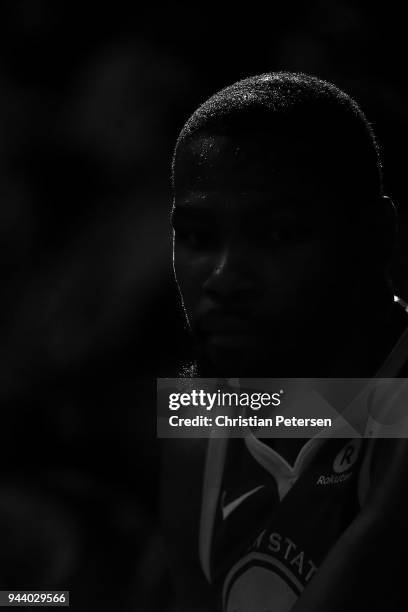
260	255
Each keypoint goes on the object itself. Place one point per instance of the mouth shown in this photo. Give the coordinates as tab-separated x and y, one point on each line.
234	340
228	331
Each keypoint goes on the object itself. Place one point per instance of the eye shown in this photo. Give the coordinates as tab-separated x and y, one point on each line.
195	238
288	234
284	234
274	236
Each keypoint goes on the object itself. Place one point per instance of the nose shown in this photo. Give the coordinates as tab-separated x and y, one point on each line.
232	275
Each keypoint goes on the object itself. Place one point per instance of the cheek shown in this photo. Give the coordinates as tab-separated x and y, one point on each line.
301	275
190	274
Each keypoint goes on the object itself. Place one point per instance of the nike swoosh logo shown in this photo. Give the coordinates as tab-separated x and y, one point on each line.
226	510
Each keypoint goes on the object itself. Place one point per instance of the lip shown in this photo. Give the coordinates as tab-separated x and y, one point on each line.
228	331
226	324
232	339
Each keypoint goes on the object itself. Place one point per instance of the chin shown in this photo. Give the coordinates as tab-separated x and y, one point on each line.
248	364
233	365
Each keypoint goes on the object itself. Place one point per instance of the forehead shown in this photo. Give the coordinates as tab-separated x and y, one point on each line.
249	163
214	171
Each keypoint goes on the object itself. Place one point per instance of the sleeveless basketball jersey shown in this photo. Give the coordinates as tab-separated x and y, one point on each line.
267	526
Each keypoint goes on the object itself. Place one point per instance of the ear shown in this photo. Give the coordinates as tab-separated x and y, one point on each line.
385	226
389	204
389	212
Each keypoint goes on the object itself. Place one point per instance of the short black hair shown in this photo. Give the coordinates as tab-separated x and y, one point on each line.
287	106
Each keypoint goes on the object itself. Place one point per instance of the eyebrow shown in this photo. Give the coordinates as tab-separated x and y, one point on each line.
201	206
183	211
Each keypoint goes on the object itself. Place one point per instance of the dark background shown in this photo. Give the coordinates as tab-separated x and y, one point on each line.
91	101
